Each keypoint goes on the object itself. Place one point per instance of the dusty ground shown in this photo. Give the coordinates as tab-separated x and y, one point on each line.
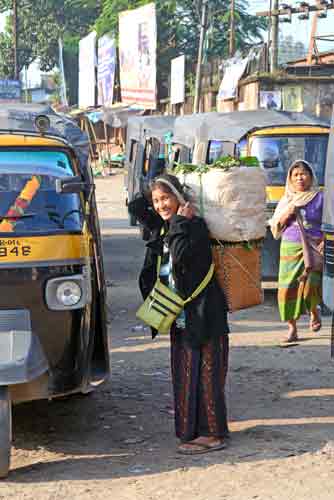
119	443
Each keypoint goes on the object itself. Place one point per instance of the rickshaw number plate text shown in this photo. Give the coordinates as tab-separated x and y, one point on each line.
13	248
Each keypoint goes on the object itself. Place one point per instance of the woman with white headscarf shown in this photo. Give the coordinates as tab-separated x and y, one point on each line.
298	292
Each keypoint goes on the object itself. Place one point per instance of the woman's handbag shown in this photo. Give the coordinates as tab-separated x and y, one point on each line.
162	306
313	257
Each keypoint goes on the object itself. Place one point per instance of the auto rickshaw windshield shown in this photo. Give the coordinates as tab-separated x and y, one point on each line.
29	203
276	153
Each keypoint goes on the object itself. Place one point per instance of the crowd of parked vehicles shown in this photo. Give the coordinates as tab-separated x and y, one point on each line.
276	138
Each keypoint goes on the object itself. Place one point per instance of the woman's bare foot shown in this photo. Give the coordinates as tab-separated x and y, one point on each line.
292	331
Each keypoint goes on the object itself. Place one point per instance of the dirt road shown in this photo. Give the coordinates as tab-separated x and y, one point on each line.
119	442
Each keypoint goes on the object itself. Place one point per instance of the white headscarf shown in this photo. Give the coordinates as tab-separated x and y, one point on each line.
292	198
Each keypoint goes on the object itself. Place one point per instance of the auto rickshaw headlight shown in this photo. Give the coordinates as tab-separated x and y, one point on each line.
69	293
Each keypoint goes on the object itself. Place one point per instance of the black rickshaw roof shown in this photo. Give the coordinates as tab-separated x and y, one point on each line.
150	126
232	127
20	119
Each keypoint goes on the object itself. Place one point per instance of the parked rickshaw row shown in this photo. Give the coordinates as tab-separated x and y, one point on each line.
276	138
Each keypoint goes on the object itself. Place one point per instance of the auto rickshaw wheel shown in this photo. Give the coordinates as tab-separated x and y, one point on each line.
5	431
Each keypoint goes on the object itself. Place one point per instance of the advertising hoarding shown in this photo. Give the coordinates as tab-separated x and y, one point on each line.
106	70
138	46
87	64
177	80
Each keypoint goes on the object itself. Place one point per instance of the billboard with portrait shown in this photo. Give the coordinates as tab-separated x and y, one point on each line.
106	70
87	64
137	49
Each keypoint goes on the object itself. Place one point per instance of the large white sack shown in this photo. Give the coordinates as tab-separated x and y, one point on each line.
233	201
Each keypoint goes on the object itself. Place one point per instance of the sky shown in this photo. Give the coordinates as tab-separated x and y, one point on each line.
302	28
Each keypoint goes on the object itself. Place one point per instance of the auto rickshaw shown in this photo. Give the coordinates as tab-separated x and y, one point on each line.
53	333
275	138
328	228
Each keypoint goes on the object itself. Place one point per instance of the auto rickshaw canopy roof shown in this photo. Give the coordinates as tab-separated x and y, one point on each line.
20	119
232	127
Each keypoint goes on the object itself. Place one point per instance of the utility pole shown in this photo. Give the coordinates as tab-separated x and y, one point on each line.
15	37
204	20
274	40
232	30
303	9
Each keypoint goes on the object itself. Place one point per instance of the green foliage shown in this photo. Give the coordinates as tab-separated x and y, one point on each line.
39	28
223	163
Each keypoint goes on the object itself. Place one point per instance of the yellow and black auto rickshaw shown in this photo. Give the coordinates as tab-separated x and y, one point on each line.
53	335
276	138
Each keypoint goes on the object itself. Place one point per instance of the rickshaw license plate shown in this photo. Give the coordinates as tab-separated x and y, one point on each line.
14	248
42	248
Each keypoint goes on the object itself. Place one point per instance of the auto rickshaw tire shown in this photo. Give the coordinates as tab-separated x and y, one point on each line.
5	431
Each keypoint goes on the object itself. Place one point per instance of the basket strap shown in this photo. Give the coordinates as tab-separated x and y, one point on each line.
237	261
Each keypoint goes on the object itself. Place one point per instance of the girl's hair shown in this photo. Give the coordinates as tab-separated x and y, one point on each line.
304	165
158	183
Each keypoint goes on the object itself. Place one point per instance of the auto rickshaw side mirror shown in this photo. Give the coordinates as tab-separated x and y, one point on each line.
71	185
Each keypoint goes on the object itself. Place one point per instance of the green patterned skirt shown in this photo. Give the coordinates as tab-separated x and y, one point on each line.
296	297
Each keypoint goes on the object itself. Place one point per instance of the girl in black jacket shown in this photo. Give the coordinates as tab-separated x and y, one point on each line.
199	336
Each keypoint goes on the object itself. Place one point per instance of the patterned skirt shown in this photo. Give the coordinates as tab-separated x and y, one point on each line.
199	387
296	297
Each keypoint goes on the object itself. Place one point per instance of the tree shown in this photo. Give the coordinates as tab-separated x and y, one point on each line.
39	28
179	25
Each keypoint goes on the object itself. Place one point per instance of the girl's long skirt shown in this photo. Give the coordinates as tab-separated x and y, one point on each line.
199	381
296	297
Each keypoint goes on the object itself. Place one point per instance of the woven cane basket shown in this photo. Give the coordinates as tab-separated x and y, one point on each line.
238	271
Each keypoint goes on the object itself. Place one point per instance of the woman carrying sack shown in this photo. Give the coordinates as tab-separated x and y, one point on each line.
297	219
199	335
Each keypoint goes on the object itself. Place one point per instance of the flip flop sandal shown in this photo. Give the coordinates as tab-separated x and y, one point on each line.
315	325
198	449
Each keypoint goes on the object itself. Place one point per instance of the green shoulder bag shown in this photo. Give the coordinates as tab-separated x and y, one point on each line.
162	306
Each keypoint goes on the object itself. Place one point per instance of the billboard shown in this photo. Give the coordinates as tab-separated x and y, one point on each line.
106	70
87	64
177	80
138	47
10	90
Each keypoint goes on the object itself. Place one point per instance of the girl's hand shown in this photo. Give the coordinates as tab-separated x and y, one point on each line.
186	210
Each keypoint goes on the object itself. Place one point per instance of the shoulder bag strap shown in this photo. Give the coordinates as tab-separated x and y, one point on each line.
308	261
202	285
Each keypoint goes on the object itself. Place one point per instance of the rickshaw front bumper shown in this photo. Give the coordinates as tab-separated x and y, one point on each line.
21	355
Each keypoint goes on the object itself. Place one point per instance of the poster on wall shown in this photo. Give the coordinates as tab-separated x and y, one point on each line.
87	64
233	71
137	49
271	99
177	87
293	98
10	90
106	70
